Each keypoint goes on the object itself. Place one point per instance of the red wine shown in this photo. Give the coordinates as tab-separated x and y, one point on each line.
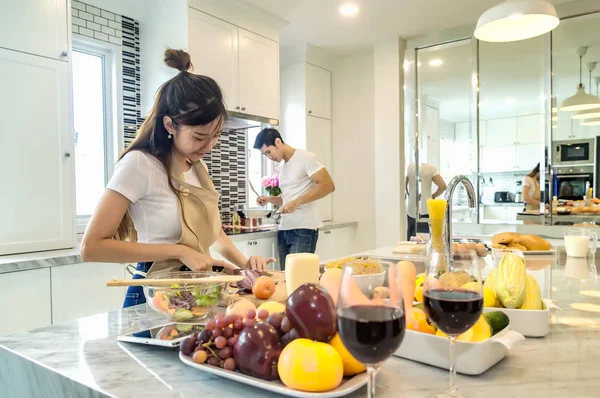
453	311
371	333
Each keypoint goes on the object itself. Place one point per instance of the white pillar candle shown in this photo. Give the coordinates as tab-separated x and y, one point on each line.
301	268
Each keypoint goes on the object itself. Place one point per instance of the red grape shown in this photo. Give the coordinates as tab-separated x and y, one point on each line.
227	332
275	320
251	314
238	324
249	322
199	348
220	342
213	361
286	326
219	315
229	319
229	364
225	353
263	314
200	356
221	323
204	336
231	341
217	332
210	325
188	345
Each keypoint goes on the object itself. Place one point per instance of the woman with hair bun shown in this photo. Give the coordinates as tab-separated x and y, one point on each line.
160	208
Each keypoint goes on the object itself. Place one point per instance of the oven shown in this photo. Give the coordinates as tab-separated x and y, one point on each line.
570	182
573	153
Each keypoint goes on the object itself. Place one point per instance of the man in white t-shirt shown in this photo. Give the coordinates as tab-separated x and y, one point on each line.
303	180
428	174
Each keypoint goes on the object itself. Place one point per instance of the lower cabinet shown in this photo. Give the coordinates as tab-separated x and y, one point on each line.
80	290
266	247
335	243
26	300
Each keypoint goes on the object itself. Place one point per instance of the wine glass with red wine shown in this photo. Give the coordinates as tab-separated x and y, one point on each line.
453	299
370	327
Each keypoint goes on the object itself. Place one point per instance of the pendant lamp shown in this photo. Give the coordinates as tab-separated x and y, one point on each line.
590	113
581	101
515	20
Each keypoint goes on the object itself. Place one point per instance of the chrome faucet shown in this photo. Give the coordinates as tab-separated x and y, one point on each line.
449	193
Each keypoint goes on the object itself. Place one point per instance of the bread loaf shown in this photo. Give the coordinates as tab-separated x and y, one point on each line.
515	241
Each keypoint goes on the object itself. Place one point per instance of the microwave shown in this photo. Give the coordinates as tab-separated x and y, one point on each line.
574	153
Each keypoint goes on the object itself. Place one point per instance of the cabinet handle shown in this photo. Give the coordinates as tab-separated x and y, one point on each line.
327	232
64	54
255	243
67	154
249	243
309	111
243	108
237	107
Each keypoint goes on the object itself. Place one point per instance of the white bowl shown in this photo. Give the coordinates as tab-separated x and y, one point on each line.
369	281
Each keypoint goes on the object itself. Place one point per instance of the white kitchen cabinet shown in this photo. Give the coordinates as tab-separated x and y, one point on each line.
431	129
36	27
318	141
26	300
80	290
497	159
527	156
318	91
213	48
258	75
266	247
482	133
462	132
530	129
36	154
511	212
335	243
501	132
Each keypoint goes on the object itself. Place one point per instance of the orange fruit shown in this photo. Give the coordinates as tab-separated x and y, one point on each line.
263	287
419	294
311	366
419	322
351	364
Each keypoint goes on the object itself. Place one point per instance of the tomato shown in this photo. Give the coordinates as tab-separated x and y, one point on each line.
263	287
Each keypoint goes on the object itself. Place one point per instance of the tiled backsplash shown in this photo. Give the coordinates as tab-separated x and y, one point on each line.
500	182
227	168
122	31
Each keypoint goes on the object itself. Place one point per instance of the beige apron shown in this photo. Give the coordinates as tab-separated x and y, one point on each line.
200	209
536	196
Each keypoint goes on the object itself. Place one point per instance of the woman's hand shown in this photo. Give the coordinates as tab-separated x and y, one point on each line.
259	263
197	261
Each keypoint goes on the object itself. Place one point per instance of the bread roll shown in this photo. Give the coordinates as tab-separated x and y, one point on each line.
534	242
504	238
513	240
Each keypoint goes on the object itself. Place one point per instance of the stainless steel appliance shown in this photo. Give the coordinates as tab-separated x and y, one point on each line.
503	196
574	153
570	181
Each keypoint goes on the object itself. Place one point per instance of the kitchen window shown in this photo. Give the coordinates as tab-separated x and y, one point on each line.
258	167
92	73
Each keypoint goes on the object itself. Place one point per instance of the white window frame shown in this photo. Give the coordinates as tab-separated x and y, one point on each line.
113	105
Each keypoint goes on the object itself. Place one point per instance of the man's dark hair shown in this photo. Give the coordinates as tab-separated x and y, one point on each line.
266	137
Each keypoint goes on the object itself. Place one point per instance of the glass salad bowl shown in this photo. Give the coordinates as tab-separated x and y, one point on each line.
184	303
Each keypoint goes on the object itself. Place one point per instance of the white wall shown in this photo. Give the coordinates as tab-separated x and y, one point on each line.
353	145
390	214
162	24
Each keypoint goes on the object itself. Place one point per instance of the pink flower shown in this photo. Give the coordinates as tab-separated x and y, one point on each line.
265	182
275	180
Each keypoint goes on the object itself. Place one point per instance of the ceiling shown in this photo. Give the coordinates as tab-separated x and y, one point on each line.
318	22
511	74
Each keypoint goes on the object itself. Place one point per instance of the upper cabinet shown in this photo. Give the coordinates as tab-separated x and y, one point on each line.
501	132
37	27
318	91
213	47
244	64
258	75
530	129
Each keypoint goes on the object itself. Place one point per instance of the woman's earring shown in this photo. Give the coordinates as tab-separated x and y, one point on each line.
169	136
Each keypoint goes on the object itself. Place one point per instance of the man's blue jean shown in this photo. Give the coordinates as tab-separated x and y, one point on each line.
296	241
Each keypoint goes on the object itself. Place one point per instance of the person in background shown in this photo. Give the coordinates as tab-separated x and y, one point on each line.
531	189
160	208
303	180
428	174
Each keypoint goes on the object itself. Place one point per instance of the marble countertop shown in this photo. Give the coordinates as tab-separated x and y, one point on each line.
27	261
83	357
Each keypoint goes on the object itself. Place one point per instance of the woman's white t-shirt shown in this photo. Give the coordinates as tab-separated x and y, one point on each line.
142	179
532	185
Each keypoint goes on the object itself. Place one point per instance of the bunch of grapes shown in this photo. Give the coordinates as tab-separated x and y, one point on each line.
214	345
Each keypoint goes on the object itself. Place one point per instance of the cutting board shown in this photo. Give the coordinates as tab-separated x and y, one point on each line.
280	294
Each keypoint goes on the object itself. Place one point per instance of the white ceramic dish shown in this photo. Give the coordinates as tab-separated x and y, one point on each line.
348	385
471	358
530	323
368	281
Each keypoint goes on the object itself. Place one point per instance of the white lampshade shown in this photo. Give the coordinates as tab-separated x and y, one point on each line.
589	114
515	20
591	122
581	101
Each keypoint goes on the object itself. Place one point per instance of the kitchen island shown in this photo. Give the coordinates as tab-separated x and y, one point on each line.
82	358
